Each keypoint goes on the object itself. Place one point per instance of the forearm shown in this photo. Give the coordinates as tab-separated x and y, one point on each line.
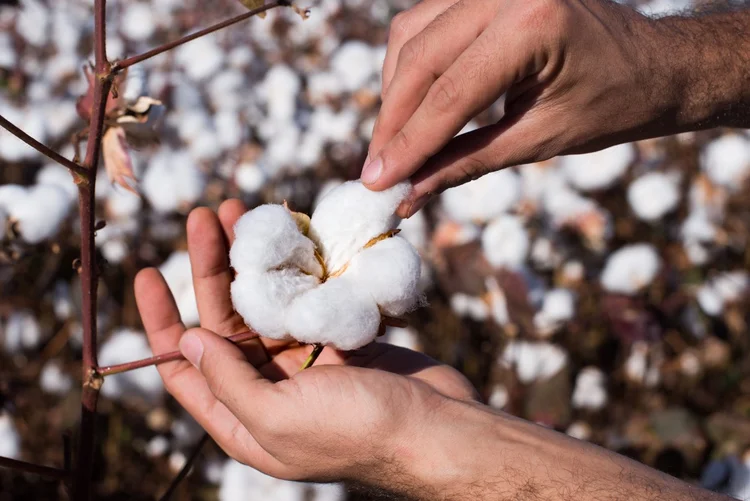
708	55
470	452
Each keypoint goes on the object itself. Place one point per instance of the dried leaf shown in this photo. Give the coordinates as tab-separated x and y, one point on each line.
254	4
141	120
117	160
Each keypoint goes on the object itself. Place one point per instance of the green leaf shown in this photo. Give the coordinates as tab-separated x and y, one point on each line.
254	4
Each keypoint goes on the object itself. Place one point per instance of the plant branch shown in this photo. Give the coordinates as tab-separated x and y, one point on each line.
185	469
37	469
130	61
165	357
314	354
43	149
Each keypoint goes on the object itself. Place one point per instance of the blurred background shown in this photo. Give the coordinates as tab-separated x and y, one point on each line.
603	295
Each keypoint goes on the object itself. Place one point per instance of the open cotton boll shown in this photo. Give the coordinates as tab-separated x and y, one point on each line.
389	271
325	189
499	396
350	216
473	307
534	361
337	313
59	176
33	22
405	337
126	345
484	198
279	91
558	306
630	269
22	332
138	21
11	194
40	214
505	242
726	161
590	390
698	233
53	380
177	272
598	170
250	178
172	182
653	195
200	58
354	64
725	288
10	440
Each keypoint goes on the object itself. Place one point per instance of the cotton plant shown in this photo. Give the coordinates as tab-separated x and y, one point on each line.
329	279
630	269
590	391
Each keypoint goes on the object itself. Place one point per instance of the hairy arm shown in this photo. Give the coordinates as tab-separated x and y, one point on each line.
469	452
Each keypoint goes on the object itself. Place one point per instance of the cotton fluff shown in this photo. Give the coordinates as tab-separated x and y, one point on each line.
534	360
200	58
598	170
505	242
177	273
10	440
40	214
173	182
405	337
590	389
250	178
483	199
630	269
558	306
53	380
354	63
330	284
473	307
726	161
22	332
654	195
725	288
126	345
138	21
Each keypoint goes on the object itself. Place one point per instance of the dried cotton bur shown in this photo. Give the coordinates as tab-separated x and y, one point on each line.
329	280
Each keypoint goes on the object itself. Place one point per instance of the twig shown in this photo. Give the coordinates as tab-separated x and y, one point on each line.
37	469
130	61
185	469
43	149
165	357
317	350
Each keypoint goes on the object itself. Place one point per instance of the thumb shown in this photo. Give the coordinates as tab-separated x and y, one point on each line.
230	377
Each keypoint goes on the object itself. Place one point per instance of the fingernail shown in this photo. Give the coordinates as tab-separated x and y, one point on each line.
372	171
192	347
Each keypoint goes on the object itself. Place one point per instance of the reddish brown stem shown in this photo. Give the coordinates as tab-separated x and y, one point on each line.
37	469
184	470
92	381
130	61
43	149
166	357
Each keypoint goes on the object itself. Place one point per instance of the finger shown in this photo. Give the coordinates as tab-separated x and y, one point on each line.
229	376
474	81
158	309
423	59
404	27
229	212
207	246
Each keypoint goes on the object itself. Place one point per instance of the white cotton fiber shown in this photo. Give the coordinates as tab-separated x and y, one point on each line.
630	269
354	64
473	307
654	195
177	272
598	170
389	271
405	337
480	200
505	242
59	176
268	238
41	213
558	306
172	182
350	216
10	440
126	345
138	23
725	288
337	312
22	332
534	361
53	380
726	161
590	390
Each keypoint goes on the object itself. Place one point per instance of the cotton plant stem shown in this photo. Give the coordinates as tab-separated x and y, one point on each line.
36	469
317	350
45	150
185	469
130	61
165	357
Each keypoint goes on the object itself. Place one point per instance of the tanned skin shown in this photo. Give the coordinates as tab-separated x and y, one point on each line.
578	75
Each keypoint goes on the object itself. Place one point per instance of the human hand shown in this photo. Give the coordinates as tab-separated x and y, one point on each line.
342	419
577	75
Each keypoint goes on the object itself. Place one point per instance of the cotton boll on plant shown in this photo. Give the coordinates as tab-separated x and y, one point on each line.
53	380
505	242
631	269
590	390
41	213
173	182
654	195
126	345
200	58
177	273
354	63
534	361
726	161
726	288
558	307
10	440
405	337
21	332
481	200
598	170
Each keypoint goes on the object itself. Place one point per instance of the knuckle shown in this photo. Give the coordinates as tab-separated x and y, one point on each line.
400	27
545	14
412	53
445	94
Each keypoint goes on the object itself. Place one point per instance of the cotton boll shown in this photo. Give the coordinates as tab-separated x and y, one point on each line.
698	233
322	86
138	22
242	483
10	440
579	430
22	332
405	337
8	55
157	446
725	288
414	229
172	182
279	91
389	271
558	307
727	161
505	242
350	216
473	307
484	198
534	361
499	396
263	299
53	380
325	189
353	64
267	238
33	21
598	170
250	178
337	313
590	390
630	269
177	272
328	492
122	204
125	345
654	195
200	58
